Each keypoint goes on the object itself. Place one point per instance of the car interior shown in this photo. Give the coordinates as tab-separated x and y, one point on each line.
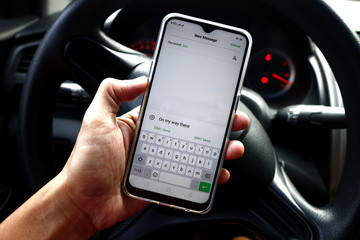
299	177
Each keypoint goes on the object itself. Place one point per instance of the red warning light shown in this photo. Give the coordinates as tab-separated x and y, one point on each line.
268	57
264	80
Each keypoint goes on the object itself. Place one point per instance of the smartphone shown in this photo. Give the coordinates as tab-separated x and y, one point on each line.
187	112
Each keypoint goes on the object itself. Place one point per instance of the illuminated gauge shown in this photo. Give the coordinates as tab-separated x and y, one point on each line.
144	46
271	73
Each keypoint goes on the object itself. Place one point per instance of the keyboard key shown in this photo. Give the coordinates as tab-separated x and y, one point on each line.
155	174
197	173
204	187
200	162
208	163
166	165
147	172
215	153
191	148
176	156
181	169
143	136
168	154
199	149
173	167
183	145
160	152
151	138
167	142
150	161
175	179
184	158
158	163
192	160
152	150
136	170
159	140
207	176
207	152
189	171
194	184
175	144
140	159
145	148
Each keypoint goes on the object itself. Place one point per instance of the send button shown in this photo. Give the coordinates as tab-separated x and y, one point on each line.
204	187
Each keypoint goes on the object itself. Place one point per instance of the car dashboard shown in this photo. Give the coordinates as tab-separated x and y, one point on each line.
279	69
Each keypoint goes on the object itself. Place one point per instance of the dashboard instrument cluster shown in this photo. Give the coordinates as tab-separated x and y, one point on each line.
279	69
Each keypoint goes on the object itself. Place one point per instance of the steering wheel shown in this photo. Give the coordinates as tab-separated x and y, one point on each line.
76	48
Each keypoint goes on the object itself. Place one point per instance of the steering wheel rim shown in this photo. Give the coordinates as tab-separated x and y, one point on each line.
51	65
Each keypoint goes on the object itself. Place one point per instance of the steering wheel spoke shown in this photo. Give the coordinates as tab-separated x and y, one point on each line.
95	62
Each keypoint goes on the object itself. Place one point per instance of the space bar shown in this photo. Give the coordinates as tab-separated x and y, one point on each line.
175	179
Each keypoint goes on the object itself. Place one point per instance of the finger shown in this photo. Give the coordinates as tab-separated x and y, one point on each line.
234	150
224	176
112	92
241	238
130	118
241	121
127	90
132	114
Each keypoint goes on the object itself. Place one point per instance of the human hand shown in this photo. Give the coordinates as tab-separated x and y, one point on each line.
86	195
95	169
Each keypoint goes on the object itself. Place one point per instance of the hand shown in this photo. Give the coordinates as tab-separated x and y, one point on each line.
96	166
86	195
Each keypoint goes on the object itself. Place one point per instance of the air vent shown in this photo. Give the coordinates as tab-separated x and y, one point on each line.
25	59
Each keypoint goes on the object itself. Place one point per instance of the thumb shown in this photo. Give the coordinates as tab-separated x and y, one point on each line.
112	92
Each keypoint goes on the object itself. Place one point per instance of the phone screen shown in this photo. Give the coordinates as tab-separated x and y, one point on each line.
194	85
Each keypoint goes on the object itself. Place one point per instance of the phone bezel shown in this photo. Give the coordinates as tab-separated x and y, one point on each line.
168	200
